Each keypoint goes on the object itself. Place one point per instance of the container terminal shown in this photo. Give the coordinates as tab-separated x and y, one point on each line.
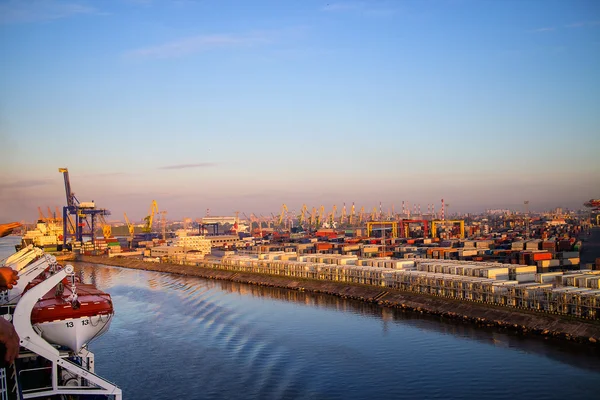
509	258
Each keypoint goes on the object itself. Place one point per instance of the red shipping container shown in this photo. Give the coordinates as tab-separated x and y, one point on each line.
324	246
542	256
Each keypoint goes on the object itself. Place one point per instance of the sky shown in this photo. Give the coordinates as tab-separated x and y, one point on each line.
245	105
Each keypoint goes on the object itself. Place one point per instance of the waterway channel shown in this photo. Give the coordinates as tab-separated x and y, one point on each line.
176	337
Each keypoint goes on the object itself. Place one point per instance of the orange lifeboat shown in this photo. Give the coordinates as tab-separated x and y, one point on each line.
71	314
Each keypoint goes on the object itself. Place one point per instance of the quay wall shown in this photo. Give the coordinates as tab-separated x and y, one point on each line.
519	320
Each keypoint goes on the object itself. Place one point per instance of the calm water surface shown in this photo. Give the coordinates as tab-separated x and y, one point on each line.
177	337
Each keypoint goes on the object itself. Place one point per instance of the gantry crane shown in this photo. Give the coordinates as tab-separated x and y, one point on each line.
81	211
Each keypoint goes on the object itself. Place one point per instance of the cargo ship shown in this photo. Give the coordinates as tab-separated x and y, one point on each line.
47	235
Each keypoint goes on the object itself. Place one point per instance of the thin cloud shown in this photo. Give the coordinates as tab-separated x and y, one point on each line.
25	184
15	11
343	6
201	43
547	29
184	166
105	174
359	7
582	24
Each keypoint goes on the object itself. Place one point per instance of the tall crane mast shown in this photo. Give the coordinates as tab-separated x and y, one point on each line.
71	199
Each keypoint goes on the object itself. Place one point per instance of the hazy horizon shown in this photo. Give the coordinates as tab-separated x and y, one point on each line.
243	106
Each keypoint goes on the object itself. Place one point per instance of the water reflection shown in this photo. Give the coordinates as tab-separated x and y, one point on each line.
196	290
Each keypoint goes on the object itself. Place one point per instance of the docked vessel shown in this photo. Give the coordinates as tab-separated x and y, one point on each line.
48	234
55	316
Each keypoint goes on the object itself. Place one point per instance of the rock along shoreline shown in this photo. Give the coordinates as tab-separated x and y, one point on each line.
518	320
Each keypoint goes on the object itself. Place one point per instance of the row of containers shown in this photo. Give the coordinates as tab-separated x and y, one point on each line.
471	282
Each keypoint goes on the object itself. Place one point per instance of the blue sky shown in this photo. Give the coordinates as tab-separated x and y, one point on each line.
245	105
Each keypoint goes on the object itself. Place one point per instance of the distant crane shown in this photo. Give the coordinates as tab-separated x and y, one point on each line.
131	230
313	217
284	209
302	217
41	215
149	219
321	215
352	215
106	228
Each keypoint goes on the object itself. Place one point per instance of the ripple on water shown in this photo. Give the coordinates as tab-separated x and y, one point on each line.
190	338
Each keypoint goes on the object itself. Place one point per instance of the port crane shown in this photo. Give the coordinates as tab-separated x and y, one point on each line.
352	215
313	217
333	212
41	215
149	219
321	215
81	211
130	228
284	210
302	216
106	228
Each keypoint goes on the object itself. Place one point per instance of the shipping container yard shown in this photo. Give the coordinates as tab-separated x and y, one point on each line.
501	257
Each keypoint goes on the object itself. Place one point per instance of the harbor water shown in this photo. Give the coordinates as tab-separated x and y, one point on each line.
176	337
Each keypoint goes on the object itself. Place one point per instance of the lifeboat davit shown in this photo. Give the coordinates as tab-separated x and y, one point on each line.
72	313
